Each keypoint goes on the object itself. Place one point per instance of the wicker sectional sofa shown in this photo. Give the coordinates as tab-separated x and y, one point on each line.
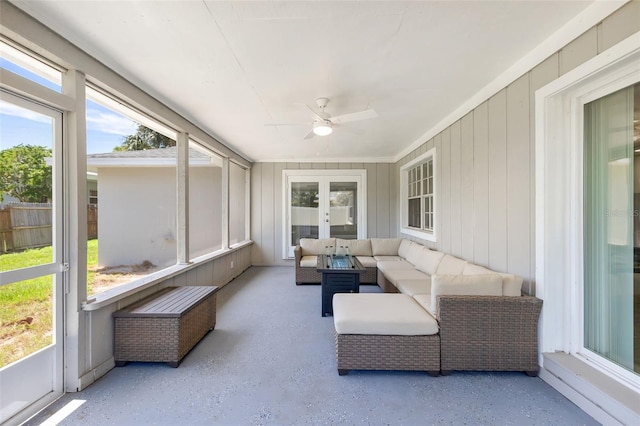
484	322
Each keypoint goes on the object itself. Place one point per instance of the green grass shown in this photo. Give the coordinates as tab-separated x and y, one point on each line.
25	307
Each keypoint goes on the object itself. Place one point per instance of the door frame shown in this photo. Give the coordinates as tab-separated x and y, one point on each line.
313	175
50	359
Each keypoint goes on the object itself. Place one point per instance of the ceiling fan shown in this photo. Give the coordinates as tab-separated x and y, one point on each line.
323	122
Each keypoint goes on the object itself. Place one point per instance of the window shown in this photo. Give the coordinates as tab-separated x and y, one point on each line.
205	201
237	204
131	163
418	196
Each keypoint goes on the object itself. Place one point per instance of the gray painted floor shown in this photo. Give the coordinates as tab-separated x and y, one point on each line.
271	360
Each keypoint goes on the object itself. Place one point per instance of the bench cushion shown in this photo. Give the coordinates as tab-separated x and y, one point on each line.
414	254
381	314
394	275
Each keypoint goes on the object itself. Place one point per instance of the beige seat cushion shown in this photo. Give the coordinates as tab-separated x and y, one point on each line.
381	314
367	261
381	258
385	246
412	287
312	246
387	265
423	300
309	262
469	285
356	247
394	275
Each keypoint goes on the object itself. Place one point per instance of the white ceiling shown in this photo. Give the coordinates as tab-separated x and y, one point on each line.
232	67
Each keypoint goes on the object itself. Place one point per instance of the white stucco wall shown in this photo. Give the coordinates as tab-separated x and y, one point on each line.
137	216
205	210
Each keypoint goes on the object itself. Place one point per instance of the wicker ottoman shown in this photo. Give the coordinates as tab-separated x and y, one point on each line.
165	326
384	332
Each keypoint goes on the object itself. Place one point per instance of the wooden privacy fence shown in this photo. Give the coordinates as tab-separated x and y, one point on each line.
28	225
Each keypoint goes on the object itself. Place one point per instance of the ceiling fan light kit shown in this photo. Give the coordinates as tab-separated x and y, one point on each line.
323	123
322	128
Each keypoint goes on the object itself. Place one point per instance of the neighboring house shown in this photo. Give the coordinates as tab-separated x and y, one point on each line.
137	205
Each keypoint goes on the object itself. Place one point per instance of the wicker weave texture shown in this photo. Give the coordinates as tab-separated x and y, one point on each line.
161	339
385	284
494	333
382	352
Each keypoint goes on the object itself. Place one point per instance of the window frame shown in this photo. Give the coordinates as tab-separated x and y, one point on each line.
415	168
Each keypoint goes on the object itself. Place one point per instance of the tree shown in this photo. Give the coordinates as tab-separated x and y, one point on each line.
145	138
24	173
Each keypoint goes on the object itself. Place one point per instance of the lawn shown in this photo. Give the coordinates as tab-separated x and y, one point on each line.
26	306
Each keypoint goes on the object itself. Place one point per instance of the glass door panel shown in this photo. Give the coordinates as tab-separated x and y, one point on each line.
305	205
611	292
343	210
30	254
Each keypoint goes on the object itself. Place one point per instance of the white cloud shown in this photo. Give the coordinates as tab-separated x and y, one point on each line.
16	111
107	122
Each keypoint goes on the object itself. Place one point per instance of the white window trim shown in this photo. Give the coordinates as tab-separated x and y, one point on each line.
559	198
404	196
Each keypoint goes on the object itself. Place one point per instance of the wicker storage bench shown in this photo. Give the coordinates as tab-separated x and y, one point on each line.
384	332
165	326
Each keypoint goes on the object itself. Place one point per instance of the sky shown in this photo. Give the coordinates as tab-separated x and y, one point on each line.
106	129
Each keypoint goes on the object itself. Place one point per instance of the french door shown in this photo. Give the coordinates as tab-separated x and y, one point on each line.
31	265
323	204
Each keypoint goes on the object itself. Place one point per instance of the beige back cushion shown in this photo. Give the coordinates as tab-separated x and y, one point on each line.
429	261
511	284
312	246
469	285
403	249
451	265
414	253
385	246
356	247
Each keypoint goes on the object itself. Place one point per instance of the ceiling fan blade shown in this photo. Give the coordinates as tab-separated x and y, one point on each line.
314	112
354	116
288	124
310	135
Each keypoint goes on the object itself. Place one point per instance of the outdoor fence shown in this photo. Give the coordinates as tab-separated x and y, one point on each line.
28	225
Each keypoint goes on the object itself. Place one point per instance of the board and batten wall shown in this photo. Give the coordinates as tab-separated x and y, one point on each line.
486	161
266	205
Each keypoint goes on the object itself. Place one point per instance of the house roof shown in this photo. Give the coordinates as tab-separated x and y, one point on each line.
235	69
162	157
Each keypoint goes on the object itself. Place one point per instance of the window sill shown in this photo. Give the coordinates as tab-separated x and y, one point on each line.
429	236
111	296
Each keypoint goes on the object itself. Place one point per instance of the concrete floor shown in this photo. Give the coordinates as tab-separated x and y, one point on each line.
271	360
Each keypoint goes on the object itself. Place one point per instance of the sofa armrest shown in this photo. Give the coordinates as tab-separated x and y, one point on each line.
297	252
496	333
